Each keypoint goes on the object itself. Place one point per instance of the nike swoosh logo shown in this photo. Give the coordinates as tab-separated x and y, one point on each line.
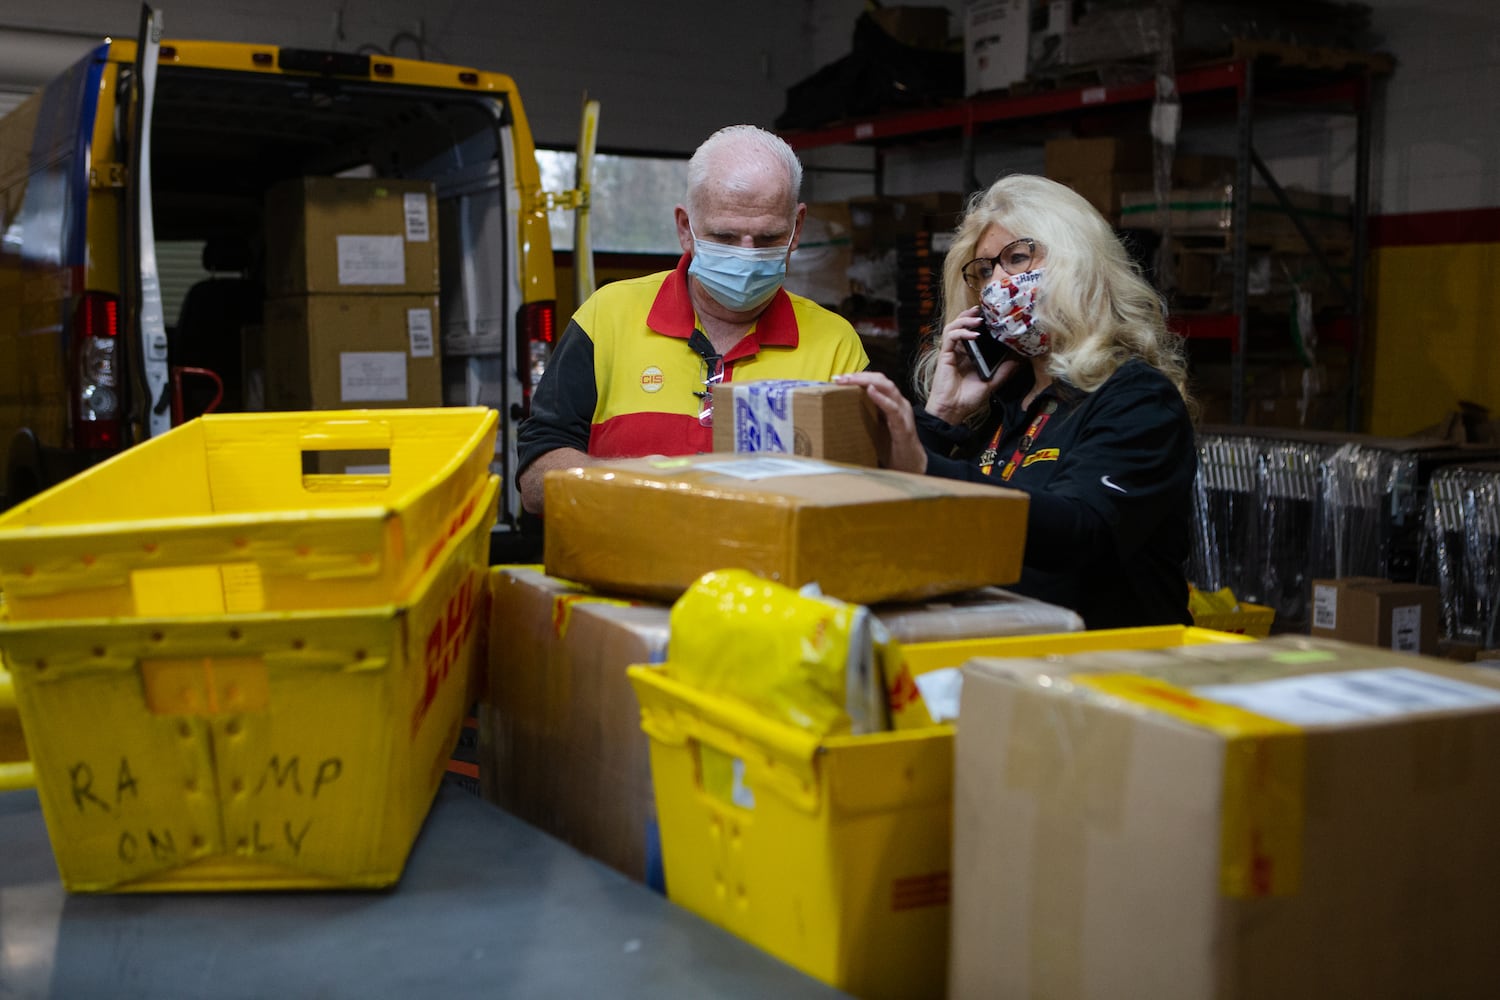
1106	481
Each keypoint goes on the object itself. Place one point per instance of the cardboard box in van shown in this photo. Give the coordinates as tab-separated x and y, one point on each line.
334	352
341	235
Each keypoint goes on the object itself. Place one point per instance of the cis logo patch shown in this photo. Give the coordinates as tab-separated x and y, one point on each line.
651	379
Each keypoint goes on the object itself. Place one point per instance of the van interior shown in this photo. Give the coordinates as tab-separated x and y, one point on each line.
220	140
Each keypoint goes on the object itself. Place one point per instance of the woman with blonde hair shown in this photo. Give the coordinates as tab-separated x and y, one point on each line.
1056	375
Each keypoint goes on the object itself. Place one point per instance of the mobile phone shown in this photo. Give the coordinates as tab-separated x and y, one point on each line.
987	353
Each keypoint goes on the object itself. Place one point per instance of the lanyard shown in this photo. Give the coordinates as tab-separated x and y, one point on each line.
1034	431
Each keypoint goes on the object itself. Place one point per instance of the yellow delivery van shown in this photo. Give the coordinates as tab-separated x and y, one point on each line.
276	163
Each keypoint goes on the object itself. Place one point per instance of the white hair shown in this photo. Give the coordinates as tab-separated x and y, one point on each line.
741	144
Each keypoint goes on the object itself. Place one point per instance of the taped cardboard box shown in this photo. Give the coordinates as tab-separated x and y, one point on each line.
334	352
650	527
1377	612
1291	818
560	741
560	736
347	234
815	419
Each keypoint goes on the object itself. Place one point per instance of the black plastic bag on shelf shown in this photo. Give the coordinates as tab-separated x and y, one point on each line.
879	74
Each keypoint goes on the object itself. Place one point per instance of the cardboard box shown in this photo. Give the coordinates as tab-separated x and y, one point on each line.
652	526
345	235
819	268
817	419
1376	612
561	744
1210	209
997	40
560	731
1105	191
1160	826
1072	157
331	352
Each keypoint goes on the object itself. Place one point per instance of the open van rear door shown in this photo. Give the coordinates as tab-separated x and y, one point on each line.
149	413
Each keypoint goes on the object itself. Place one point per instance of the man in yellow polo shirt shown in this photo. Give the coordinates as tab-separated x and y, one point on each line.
634	372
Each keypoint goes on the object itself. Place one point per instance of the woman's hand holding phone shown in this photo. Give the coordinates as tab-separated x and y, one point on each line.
970	366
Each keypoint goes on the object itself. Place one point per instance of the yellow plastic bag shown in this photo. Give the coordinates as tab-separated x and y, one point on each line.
800	658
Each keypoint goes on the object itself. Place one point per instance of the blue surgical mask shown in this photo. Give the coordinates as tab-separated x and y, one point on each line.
738	278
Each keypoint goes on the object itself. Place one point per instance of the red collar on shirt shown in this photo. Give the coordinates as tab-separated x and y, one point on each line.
672	314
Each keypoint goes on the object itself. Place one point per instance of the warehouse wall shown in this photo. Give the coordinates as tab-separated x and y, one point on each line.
670	72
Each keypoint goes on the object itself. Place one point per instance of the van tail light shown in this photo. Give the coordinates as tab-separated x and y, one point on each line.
538	326
96	372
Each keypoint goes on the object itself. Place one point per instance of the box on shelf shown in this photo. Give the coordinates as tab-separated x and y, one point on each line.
1210	210
1377	612
1273	806
1070	156
819	268
832	854
997	41
333	352
349	235
276	750
653	526
816	419
233	520
560	739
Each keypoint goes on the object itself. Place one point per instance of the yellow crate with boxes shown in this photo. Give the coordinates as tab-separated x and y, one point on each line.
251	512
831	853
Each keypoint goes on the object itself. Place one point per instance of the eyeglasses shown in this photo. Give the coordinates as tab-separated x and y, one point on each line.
1014	258
713	374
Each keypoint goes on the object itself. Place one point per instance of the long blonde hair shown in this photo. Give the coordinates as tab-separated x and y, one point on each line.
1098	309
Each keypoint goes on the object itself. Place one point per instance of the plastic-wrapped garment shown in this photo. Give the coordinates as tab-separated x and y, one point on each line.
1259	521
1370	511
1461	550
799	658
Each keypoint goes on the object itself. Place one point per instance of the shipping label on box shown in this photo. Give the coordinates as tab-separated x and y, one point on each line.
621	526
1272	805
343	235
815	419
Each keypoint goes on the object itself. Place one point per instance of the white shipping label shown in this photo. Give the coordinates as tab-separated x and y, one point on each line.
1406	628
1351	696
414	204
419	332
1325	606
372	260
372	376
767	468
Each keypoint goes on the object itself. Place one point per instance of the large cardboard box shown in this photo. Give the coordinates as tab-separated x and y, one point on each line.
331	352
652	526
560	732
816	419
1068	156
560	738
1291	818
997	41
345	235
1377	612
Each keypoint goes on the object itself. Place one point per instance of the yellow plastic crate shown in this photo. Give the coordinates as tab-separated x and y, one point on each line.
15	761
834	855
218	516
1250	619
257	751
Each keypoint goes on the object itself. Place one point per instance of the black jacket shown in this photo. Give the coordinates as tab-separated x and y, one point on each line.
1110	474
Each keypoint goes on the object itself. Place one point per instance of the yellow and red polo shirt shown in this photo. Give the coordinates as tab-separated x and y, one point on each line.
624	380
